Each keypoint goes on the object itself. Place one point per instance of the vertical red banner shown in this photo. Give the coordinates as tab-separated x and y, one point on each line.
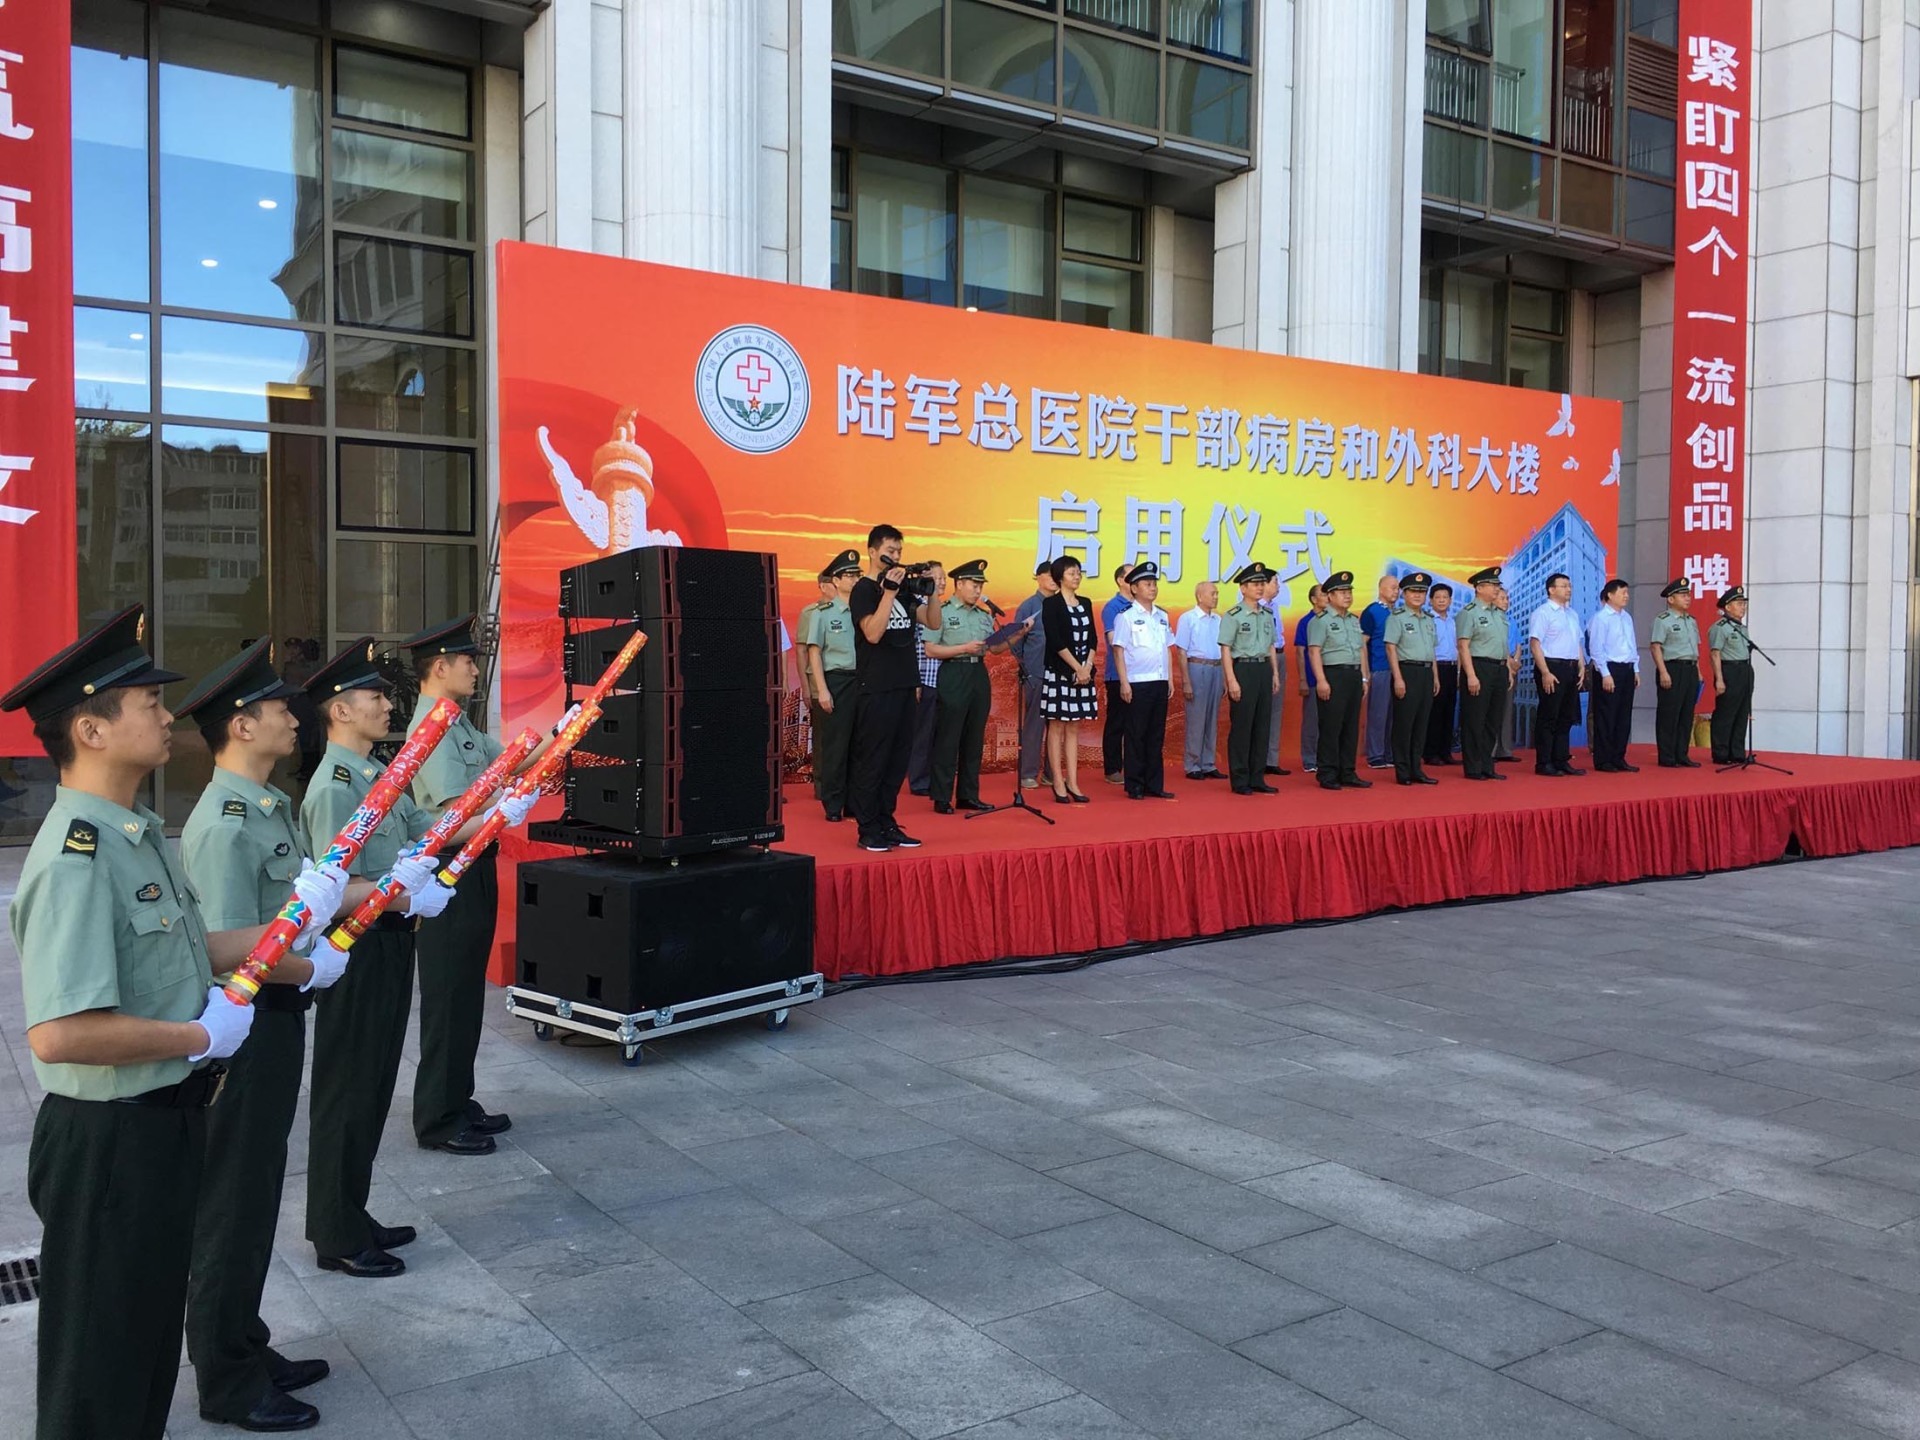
38	605
1707	512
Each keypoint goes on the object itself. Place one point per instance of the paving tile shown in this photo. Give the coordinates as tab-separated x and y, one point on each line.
1860	1201
1859	1123
799	1176
843	1119
1452	1234
1896	1168
1709	1329
1379	1036
925	1370
1481	1321
1197	1051
883	1073
1023	1133
1203	1144
1856	1310
1659	1394
1075	1418
1213	1211
555	1396
527	1233
1163	1378
1862	1252
1618	1177
677	1106
1415	1389
1047	1087
1405	1112
1879	1392
1828	1085
988	1189
1778	1135
739	1247
801	1407
617	1164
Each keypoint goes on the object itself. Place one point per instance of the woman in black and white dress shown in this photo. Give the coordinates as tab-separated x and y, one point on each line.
1068	693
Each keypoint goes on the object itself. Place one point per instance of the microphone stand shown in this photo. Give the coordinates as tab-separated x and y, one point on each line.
1751	760
1019	801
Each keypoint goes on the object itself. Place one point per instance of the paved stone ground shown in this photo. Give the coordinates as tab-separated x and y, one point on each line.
1632	1162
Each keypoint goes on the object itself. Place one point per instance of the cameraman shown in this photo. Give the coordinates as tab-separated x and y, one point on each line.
885	623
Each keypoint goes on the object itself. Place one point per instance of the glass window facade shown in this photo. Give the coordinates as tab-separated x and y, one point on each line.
277	364
1475	326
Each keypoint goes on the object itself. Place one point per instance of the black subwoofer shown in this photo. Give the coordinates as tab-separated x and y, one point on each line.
700	653
661	582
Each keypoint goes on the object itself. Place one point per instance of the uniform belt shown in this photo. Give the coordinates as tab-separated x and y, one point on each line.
1423	664
1489	660
961	660
196	1092
1326	664
288	999
1726	660
1250	660
1203	662
1454	663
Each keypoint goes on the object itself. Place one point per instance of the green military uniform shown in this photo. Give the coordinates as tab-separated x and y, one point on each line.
965	695
1731	711
1678	636
829	627
1411	633
360	1023
1343	655
1482	627
1246	644
105	919
452	952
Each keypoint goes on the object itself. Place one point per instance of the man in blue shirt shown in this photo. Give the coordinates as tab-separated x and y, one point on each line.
1554	636
1373	623
1113	736
1032	653
1439	745
1613	676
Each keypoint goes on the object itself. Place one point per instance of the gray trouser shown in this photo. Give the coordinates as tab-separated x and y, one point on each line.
1309	723
1203	717
1279	711
1033	729
1379	705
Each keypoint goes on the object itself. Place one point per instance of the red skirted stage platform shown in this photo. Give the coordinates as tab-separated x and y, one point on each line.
1118	871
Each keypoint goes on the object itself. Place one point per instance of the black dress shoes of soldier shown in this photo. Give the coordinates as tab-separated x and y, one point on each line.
467	1141
370	1264
274	1412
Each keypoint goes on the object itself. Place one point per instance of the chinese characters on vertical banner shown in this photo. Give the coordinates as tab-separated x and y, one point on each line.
1707	513
37	548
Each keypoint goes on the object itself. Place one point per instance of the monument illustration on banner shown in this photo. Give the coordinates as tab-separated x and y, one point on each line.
612	512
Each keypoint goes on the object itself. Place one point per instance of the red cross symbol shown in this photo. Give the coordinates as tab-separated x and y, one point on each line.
754	374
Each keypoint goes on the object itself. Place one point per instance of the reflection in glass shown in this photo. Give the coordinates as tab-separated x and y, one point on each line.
839	178
1454	165
903	34
113	516
388	89
1137	15
220	371
405	487
1523	35
1650	213
1587	197
1656	20
1206	102
1463	22
1591	29
394	587
403	387
1650	143
842	254
997	50
1472	323
1096	295
1008	244
391	285
1431	281
109	77
112	360
239	168
1112	79
385	184
1218	27
1097	229
1536	364
904	216
1532	308
1523	182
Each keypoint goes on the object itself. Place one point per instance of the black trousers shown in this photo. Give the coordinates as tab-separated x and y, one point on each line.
1408	720
358	1028
1610	714
239	1209
966	695
116	1188
452	950
1146	741
1340	723
1480	716
1731	711
1247	722
926	713
1113	756
1673	711
1438	747
833	740
883	722
1556	715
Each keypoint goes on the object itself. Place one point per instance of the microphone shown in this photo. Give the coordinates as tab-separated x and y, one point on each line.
993	609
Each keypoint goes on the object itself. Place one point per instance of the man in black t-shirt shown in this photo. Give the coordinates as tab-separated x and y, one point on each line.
886	677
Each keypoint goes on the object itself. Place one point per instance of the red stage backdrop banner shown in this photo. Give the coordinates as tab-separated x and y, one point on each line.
1708	494
37	554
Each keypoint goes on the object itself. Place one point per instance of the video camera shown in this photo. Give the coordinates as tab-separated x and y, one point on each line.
919	583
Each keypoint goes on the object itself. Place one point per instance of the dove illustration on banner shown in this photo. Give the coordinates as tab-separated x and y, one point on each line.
1612	476
1564	425
612	512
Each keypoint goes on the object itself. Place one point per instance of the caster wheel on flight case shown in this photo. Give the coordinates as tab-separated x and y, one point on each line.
542	1031
777	1019
631	1056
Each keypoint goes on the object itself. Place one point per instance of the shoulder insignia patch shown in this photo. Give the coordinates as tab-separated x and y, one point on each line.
148	891
283	849
81	839
343	775
234	807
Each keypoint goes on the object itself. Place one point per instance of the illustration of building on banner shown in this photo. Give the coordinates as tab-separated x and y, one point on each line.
1568	545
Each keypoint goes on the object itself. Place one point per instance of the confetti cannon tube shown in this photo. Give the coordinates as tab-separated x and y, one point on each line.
285	929
451	819
546	771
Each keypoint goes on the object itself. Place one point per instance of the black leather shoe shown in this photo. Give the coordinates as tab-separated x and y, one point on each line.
467	1142
1354	782
941	807
1691	764
273	1412
1629	769
978	807
902	840
1278	770
486	1122
1669	764
1196	774
1493	775
834	817
371	1263
1159	794
289	1375
1403	780
1571	770
1425	780
1247	789
389	1237
1329	784
1213	775
1263	789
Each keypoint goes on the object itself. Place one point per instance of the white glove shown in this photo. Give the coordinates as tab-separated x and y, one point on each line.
329	964
516	807
566	719
226	1025
320	888
413	871
429	900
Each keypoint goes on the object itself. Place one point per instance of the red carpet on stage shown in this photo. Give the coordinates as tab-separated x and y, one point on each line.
1119	871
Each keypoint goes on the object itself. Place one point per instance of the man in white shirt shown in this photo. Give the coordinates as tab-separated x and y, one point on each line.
1559	671
1196	645
1139	640
1612	678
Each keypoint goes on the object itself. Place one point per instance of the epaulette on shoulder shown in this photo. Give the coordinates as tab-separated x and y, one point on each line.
82	839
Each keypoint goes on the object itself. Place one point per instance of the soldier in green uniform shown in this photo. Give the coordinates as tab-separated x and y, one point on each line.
1482	633
1337	651
1675	643
116	971
1732	656
826	639
360	1023
453	954
1252	668
242	851
1410	638
965	691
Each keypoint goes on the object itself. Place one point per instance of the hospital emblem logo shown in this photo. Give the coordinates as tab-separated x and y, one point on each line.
751	389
